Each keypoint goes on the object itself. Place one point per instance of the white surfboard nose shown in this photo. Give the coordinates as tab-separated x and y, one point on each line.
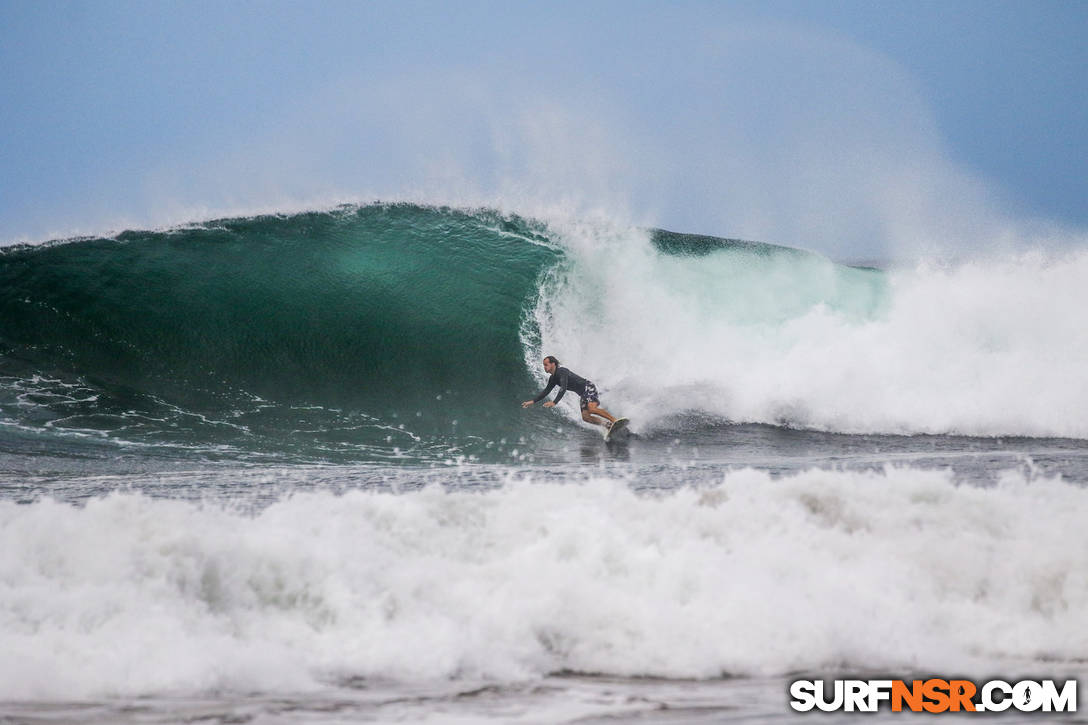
617	429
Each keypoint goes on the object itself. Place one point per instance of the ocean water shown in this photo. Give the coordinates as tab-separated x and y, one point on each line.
276	469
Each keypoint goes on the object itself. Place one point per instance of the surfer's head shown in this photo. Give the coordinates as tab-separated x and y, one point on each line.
550	364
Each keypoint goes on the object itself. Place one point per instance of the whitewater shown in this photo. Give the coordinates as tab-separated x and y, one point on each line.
275	468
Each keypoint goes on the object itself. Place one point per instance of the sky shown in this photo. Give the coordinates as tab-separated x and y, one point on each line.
863	130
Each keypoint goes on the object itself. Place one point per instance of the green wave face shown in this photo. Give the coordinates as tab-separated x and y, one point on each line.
385	332
375	329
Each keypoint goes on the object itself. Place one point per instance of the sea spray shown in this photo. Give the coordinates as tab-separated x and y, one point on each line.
761	334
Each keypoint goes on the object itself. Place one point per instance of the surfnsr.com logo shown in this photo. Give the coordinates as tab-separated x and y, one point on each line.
933	695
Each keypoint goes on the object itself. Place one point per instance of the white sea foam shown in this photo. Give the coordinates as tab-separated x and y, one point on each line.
895	569
984	347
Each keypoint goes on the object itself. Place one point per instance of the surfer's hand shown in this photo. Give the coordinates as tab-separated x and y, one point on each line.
526	404
549	404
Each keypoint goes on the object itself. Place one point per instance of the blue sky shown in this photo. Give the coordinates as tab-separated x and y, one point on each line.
861	129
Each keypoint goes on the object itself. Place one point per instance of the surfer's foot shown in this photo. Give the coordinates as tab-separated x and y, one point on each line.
608	425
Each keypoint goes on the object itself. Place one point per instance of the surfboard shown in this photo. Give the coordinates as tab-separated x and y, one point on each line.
618	431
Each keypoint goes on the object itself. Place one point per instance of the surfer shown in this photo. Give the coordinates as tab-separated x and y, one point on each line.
587	391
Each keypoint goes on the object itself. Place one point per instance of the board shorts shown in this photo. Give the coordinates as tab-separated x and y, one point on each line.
589	396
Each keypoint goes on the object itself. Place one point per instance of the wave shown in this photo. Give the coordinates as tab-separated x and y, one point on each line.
391	327
900	570
763	334
381	325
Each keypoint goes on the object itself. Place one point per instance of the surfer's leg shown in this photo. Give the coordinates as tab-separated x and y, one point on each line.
596	409
590	404
590	409
590	419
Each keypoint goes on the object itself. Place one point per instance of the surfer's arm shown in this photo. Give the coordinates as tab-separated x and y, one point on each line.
543	394
562	387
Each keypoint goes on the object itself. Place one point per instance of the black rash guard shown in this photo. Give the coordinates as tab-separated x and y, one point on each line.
566	380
